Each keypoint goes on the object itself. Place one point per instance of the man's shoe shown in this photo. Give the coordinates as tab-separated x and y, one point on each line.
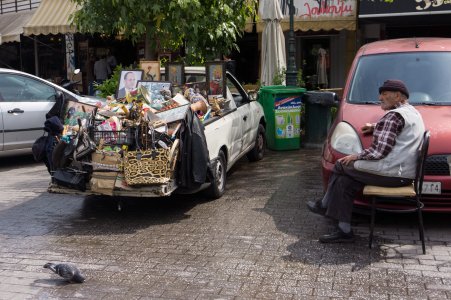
338	236
316	207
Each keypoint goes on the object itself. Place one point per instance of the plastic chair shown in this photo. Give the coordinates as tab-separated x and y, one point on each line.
405	199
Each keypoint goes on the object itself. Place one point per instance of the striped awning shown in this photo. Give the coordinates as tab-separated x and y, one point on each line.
11	25
52	17
315	25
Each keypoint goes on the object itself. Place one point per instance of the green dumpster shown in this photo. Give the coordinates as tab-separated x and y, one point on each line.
282	107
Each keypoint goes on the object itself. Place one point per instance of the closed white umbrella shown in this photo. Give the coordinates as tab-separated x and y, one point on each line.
273	56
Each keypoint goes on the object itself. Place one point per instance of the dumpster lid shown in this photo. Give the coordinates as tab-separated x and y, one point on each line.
321	98
281	89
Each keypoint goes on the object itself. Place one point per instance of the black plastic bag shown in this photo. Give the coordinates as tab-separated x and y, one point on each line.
85	145
59	157
39	148
70	178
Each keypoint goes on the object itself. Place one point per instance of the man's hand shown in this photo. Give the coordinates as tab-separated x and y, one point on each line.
348	159
367	128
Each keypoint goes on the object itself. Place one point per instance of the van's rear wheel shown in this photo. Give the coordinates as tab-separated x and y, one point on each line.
217	186
258	151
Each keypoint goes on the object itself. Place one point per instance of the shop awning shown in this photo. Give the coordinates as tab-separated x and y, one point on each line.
315	25
310	15
52	17
11	25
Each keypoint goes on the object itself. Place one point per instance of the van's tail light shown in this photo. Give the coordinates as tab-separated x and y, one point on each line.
345	139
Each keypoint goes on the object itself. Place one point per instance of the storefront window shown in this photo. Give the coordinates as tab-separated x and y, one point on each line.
315	60
51	53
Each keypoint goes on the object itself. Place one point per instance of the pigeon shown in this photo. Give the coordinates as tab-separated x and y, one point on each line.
67	271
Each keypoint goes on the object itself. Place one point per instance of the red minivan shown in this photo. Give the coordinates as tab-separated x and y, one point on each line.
424	64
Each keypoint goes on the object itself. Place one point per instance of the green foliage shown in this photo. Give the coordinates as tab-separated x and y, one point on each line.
279	77
333	112
258	83
207	28
299	80
194	59
164	61
109	86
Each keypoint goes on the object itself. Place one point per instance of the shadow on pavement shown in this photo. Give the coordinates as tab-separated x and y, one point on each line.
296	178
56	214
14	162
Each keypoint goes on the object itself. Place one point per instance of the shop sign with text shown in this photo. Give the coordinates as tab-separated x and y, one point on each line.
320	9
375	7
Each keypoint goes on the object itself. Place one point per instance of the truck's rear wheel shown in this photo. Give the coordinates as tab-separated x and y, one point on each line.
258	151
217	186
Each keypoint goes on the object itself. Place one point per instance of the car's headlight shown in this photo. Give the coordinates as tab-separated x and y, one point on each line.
345	139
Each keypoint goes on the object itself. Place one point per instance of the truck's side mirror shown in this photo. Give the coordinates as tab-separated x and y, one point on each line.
252	95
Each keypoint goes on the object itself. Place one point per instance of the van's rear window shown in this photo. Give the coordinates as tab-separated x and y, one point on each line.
426	75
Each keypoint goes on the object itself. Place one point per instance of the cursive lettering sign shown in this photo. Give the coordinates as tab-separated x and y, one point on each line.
329	8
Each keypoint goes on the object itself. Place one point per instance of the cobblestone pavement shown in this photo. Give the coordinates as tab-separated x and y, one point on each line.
256	242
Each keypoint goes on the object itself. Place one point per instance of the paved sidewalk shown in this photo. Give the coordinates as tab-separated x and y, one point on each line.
256	242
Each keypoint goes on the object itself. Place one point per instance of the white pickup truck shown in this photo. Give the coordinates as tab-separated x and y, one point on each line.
239	131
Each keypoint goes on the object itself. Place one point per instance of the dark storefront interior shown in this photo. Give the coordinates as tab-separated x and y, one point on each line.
51	54
247	58
403	19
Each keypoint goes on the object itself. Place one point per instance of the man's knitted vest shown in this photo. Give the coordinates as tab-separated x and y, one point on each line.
402	160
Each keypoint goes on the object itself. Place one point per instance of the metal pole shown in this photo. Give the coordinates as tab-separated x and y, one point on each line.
291	66
20	54
36	63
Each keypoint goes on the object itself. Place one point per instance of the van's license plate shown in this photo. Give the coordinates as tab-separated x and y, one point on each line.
430	187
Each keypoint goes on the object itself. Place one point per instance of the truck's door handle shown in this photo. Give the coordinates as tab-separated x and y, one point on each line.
16	111
245	118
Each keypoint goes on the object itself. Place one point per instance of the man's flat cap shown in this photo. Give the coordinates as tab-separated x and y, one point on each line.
394	85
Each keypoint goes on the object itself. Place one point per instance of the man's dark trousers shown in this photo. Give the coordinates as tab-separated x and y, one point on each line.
344	184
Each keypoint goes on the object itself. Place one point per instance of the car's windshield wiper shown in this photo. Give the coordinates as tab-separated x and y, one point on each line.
370	102
427	103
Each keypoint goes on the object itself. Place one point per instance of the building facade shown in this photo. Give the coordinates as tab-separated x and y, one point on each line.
325	39
36	36
407	18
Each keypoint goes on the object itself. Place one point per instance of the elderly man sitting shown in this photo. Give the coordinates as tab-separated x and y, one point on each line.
389	161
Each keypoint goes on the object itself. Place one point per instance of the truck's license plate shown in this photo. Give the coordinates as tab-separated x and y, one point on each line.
430	187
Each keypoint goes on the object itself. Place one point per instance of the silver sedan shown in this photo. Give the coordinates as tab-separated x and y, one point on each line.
24	101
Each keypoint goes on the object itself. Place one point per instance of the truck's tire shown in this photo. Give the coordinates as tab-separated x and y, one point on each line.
258	151
217	186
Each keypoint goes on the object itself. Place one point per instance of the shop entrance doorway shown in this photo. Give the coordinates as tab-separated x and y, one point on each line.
315	62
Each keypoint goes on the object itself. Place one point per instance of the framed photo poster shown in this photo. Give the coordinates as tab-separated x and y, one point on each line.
216	78
151	70
198	87
175	73
154	89
128	81
78	110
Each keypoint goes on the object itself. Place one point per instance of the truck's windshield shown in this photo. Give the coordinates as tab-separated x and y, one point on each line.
426	75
